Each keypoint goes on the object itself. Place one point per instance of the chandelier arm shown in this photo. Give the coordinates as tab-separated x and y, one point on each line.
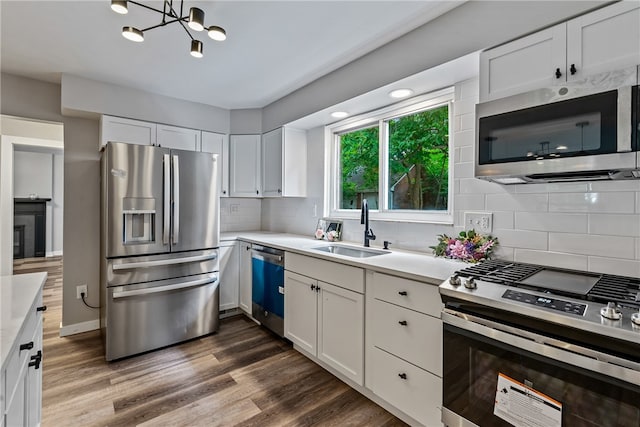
185	28
162	24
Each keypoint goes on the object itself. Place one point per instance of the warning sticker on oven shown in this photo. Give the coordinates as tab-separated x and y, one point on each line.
523	406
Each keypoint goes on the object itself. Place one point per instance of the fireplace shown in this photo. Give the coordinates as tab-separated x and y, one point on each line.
29	227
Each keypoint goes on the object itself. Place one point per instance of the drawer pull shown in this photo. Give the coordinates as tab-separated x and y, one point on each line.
313	287
403	322
27	346
403	293
403	376
43	308
36	360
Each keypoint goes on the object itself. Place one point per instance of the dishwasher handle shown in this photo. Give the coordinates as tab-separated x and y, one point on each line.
166	288
269	257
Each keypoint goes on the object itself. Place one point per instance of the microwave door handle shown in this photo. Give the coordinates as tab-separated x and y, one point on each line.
176	200
624	119
166	200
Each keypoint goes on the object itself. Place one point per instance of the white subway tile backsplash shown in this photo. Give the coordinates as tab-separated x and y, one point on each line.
552	259
614	224
465	138
543	221
474	185
597	245
467	122
504	252
518	202
464	106
612	202
466	154
503	220
522	239
469	202
553	187
638	248
631	185
463	170
638	202
614	266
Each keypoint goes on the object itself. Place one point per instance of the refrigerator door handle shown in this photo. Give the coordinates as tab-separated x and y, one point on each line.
166	200
176	199
159	289
163	262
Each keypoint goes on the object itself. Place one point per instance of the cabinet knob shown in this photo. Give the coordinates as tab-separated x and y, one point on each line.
558	73
403	322
257	191
43	308
313	287
403	293
27	346
224	191
279	191
403	376
573	69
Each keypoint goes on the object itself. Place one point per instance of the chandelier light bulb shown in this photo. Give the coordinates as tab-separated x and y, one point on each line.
119	7
133	34
196	49
196	19
217	33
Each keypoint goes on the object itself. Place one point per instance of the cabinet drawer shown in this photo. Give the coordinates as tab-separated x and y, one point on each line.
17	358
412	336
418	394
345	276
417	296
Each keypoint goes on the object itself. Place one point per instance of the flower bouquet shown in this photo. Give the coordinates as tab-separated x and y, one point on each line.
469	246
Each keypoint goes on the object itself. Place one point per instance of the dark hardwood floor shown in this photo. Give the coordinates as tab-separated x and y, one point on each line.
242	375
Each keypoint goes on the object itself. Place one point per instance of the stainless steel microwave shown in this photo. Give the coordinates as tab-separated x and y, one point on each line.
581	131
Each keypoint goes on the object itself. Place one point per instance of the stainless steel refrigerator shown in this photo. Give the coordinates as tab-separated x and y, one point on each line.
159	240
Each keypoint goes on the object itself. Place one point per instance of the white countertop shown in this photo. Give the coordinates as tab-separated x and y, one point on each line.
17	296
411	265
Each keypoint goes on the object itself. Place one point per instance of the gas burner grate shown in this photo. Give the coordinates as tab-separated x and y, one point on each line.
620	289
498	271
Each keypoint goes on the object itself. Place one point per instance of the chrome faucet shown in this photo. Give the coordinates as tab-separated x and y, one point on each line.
364	219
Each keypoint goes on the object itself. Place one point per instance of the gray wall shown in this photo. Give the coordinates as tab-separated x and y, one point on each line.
471	27
34	99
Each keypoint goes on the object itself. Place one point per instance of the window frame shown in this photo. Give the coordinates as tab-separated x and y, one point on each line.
381	117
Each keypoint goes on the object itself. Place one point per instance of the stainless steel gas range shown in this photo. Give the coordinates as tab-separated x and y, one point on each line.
528	345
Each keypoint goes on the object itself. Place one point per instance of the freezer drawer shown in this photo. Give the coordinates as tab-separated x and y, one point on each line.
151	315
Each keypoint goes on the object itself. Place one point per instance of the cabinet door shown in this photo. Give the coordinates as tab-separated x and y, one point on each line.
301	311
218	143
245	177
245	277
16	410
178	138
272	163
229	276
524	64
341	330
604	40
130	131
294	163
33	383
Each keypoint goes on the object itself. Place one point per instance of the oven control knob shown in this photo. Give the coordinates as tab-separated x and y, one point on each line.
635	318
611	312
454	280
470	283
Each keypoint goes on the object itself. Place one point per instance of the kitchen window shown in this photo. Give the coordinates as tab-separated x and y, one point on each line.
398	158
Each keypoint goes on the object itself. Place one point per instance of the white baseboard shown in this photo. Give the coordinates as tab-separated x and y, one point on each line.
53	253
78	328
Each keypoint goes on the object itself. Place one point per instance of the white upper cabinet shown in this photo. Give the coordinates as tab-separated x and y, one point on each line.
130	131
284	163
178	138
604	40
245	176
218	143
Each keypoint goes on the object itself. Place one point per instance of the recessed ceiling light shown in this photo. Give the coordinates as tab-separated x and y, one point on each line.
339	114
400	93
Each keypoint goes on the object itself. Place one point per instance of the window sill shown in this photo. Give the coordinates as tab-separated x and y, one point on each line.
409	217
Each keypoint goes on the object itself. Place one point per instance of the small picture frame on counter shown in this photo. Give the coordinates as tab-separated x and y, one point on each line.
333	230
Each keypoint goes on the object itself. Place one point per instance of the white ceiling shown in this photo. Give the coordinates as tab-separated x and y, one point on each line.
272	49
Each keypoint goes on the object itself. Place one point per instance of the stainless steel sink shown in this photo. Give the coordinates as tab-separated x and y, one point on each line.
350	251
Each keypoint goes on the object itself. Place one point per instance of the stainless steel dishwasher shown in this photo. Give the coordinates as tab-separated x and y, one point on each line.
268	287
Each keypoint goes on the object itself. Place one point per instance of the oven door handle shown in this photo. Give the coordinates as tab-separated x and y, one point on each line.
551	348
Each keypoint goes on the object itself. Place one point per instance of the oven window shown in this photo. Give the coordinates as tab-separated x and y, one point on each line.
471	365
575	127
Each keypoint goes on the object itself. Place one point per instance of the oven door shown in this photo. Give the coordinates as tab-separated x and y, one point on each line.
552	383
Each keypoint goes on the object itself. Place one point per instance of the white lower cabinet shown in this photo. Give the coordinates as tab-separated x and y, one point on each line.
322	319
404	345
229	275
22	374
244	257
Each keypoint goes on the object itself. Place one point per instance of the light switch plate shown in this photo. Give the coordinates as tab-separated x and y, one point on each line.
482	222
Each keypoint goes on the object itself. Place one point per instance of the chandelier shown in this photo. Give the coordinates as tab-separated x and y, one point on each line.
195	21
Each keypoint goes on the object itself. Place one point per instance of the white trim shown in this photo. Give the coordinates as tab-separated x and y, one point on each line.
381	117
78	328
53	253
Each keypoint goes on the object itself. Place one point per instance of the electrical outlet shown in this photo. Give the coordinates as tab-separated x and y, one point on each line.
482	222
81	289
234	208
